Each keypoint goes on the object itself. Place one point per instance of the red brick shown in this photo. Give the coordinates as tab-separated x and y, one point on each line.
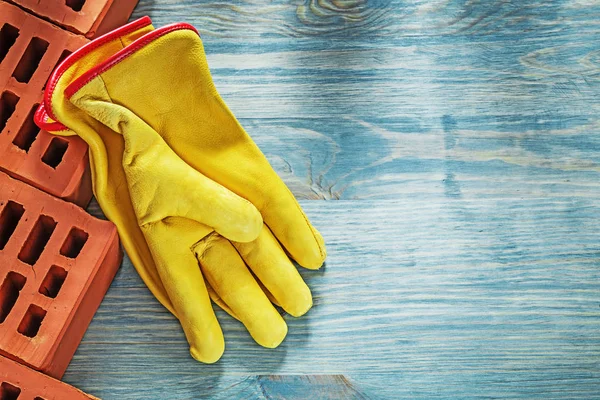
34	156
22	383
87	17
56	264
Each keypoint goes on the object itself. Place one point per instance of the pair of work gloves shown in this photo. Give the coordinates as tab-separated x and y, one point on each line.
200	212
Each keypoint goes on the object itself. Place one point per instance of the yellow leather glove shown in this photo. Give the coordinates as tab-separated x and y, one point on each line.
173	207
137	93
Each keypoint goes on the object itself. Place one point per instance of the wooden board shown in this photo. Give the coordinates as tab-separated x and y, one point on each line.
391	98
419	299
460	141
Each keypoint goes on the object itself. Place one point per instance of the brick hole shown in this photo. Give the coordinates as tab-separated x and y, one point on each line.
55	152
9	293
9	219
30	60
75	5
39	398
53	281
37	240
63	55
9	392
28	132
32	321
74	243
8	37
8	104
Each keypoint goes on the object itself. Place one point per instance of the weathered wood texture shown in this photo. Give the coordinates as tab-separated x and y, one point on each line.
462	138
419	299
380	99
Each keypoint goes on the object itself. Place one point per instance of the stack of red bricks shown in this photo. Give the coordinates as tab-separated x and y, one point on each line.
56	261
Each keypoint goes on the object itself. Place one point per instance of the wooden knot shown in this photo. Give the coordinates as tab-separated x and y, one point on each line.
324	16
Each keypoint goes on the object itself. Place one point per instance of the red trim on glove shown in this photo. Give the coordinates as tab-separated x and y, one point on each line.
44	111
123	54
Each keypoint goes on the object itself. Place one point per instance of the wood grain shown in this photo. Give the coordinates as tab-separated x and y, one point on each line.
460	141
418	299
366	99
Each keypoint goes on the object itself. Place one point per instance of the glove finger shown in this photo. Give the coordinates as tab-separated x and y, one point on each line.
163	184
184	191
230	215
273	268
234	284
269	295
291	227
201	130
218	301
184	283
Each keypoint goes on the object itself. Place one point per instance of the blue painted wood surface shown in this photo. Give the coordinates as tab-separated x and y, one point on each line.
459	140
